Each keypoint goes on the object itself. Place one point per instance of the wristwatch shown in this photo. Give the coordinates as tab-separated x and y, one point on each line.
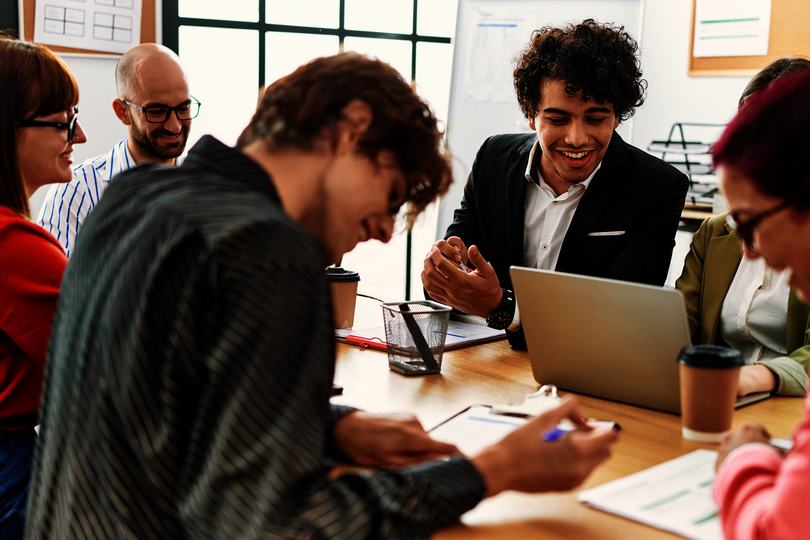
501	318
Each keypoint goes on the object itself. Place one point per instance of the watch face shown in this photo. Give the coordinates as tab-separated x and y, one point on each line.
499	320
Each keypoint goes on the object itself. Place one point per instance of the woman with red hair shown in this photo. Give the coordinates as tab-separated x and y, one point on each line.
764	159
38	128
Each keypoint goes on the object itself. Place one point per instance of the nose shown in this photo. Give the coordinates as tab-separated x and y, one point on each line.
173	124
382	227
575	135
79	136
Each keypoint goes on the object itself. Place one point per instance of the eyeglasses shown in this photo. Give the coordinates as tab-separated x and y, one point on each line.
746	228
70	125
158	114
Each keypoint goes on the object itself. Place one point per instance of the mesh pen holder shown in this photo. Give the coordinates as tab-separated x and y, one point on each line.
415	332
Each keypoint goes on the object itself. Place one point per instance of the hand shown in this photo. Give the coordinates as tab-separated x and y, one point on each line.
387	441
756	378
523	461
749	433
476	293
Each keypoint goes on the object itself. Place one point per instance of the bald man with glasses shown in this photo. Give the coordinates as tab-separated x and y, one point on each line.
155	104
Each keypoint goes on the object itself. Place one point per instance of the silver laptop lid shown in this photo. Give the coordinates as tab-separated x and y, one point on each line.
601	337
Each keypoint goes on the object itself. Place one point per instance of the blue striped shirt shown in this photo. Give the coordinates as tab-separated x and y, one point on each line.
67	205
187	385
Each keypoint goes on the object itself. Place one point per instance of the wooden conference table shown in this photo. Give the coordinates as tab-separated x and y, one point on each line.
493	374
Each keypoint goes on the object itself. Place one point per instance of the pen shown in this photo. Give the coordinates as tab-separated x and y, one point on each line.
556	433
460	264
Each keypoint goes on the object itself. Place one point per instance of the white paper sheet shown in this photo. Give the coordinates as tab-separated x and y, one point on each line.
731	28
96	25
674	496
498	35
475	429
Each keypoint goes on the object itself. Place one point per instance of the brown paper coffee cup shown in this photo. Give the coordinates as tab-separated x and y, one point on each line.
709	378
344	295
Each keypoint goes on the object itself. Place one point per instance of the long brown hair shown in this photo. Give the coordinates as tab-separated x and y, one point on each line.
33	82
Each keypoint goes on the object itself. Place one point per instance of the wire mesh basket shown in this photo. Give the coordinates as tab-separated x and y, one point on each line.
415	332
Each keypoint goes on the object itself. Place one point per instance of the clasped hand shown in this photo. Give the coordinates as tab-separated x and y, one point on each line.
477	292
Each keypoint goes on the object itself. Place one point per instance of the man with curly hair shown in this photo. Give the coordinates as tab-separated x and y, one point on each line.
572	197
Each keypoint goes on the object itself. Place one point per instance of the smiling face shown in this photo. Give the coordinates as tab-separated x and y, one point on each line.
573	134
782	239
357	200
156	81
44	152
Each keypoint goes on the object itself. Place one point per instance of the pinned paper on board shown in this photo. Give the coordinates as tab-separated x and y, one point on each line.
499	33
731	28
96	25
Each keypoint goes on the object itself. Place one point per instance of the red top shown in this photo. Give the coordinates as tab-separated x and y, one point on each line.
31	268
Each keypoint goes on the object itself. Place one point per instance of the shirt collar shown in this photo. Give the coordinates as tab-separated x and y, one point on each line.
210	153
533	175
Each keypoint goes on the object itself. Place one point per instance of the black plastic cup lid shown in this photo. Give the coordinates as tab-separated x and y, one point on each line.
337	274
710	356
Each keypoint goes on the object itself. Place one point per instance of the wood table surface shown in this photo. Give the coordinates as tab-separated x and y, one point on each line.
492	374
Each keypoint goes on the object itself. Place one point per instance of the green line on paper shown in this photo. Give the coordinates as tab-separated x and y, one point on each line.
666	500
730	20
730	37
704	520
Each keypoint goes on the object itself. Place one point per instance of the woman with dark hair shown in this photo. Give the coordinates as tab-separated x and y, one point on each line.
764	159
38	128
742	303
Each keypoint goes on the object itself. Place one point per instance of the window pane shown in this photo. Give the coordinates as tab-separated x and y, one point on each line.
437	18
232	10
381	268
214	55
286	51
393	16
393	51
312	13
434	67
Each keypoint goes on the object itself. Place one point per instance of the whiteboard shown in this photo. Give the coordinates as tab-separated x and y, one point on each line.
489	34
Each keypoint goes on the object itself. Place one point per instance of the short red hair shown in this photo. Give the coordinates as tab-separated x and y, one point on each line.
769	141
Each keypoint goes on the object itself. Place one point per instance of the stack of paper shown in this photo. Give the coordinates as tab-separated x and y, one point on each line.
674	496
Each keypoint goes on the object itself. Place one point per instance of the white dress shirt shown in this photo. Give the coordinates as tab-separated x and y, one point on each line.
753	319
547	218
67	205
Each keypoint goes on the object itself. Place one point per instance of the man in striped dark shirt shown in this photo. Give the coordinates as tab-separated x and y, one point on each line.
155	104
192	355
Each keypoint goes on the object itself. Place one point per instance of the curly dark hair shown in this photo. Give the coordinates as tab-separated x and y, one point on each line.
297	109
599	60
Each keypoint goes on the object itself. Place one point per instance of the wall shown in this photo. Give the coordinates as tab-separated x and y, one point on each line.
673	96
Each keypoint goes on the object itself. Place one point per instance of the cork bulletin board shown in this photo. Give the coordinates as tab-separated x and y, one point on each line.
28	12
789	36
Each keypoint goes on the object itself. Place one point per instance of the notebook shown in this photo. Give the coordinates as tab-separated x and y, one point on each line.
600	337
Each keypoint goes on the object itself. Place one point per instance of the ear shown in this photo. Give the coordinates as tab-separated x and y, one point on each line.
121	111
532	124
355	120
616	123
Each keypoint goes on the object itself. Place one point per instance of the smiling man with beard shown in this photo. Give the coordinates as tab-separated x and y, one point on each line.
155	105
571	197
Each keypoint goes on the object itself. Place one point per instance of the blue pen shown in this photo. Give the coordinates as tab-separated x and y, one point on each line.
554	434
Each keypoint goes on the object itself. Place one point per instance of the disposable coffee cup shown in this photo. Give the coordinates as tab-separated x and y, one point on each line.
709	378
344	295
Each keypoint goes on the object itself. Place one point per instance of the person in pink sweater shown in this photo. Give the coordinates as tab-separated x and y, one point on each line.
764	159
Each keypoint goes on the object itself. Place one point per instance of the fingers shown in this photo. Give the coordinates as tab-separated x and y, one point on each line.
481	265
569	409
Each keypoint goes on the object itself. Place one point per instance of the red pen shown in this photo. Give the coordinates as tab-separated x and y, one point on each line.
374	342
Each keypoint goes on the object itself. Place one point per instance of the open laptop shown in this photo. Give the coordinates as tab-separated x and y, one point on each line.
601	337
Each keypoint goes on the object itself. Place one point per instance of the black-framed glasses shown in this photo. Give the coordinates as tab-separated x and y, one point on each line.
70	125
746	228
157	114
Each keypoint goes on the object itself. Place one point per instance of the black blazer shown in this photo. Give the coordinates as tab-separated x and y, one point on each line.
633	192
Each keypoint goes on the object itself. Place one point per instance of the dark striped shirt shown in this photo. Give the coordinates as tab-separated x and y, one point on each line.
188	377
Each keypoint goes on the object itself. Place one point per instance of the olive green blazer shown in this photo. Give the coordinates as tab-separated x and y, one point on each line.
708	271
